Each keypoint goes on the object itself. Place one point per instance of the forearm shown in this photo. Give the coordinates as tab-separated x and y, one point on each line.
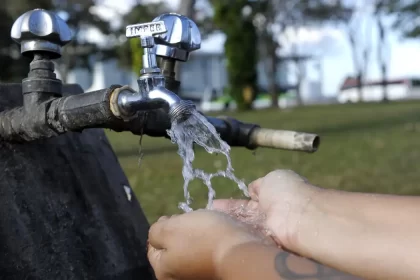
255	261
373	236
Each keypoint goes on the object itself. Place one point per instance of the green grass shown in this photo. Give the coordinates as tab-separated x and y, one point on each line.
364	147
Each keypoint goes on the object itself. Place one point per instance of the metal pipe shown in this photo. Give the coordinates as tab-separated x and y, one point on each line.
98	110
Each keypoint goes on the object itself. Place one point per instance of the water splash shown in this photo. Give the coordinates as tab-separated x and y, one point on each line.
196	129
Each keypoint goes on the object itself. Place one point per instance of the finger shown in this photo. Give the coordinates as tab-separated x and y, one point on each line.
242	210
156	259
254	188
227	205
158	233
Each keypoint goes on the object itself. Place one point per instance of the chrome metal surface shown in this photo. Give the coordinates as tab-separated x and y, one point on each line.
149	55
41	31
181	38
145	29
162	93
131	102
152	91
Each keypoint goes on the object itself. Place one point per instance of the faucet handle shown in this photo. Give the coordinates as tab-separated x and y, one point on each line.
148	29
146	33
181	38
40	31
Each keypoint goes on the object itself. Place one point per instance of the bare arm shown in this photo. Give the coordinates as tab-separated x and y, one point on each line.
370	235
256	261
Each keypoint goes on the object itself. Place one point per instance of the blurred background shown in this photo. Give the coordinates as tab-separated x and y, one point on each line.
347	70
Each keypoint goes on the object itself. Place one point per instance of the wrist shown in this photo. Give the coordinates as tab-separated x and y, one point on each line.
298	215
246	261
325	220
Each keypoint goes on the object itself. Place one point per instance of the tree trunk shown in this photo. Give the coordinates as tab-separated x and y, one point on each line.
299	94
359	79
272	73
65	211
356	63
186	8
382	58
299	78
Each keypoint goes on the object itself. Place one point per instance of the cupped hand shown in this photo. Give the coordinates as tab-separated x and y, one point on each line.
192	245
277	205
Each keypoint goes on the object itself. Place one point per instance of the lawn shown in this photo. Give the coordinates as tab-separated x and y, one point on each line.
364	147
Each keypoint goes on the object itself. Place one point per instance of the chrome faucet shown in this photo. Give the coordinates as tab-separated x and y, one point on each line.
152	91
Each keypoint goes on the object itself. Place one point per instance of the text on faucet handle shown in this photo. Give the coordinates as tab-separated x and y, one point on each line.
145	29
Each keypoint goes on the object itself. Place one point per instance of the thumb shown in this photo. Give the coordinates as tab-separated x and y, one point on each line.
254	188
155	257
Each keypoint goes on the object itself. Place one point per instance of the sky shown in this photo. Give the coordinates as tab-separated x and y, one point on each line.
329	44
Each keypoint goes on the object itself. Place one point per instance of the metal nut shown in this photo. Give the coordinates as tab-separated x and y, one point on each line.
41	30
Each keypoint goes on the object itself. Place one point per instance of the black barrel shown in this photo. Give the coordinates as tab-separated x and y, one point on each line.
64	210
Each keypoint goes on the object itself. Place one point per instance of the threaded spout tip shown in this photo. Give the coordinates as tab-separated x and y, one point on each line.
181	110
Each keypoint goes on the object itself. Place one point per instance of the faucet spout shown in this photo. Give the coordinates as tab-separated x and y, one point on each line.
177	108
127	102
166	95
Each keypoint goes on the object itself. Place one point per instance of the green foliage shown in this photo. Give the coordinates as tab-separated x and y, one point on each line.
136	56
406	16
79	17
240	48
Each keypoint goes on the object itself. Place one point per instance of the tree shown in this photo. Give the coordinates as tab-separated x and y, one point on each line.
351	17
275	19
235	19
406	17
186	8
382	9
264	19
361	49
79	17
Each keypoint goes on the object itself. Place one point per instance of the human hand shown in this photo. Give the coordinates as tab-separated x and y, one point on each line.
278	202
192	245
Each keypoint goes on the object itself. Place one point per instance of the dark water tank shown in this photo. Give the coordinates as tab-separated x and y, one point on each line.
64	210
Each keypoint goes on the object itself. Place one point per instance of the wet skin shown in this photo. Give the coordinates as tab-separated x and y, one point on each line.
289	266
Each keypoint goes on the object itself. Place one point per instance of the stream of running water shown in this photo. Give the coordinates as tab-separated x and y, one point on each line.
197	129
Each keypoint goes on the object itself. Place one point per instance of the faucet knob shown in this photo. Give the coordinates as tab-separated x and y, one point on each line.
41	31
146	31
181	38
